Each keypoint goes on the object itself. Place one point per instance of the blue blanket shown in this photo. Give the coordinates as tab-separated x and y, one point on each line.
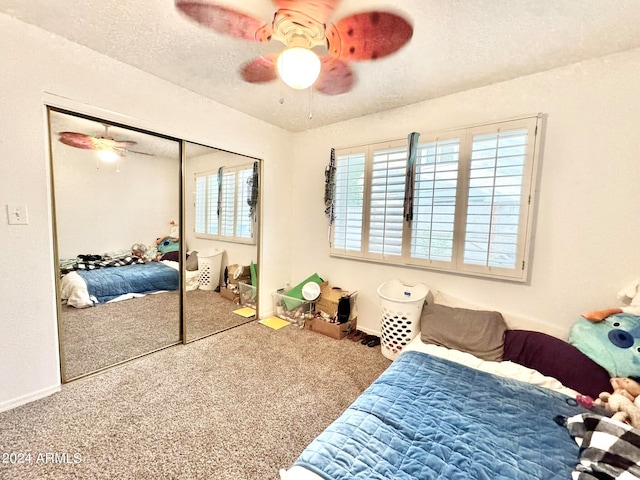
429	418
108	283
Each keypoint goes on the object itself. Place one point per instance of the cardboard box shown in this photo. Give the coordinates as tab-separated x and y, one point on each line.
329	298
230	294
333	330
238	274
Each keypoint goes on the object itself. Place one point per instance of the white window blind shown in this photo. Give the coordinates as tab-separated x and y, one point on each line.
348	202
495	199
213	197
201	204
470	204
221	207
243	217
386	215
228	204
435	190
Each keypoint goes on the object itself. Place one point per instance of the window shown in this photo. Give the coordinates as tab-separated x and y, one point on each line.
223	207
464	205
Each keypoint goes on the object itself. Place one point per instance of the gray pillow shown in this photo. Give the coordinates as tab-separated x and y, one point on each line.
478	332
192	261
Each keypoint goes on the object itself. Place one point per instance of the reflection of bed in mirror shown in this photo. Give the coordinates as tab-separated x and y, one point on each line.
117	280
103	208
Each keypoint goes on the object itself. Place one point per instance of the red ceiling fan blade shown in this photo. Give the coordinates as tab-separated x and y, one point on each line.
319	10
88	142
261	69
77	140
336	77
368	35
226	20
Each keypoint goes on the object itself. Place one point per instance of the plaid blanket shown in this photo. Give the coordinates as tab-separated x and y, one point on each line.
101	263
608	449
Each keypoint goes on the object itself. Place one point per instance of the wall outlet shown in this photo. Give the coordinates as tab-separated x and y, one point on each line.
17	214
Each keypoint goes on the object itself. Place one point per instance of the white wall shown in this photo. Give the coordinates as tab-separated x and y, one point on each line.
101	210
587	228
34	62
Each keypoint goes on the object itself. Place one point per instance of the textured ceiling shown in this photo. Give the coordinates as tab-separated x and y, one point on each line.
457	45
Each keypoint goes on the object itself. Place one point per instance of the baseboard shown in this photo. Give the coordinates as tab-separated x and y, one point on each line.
32	397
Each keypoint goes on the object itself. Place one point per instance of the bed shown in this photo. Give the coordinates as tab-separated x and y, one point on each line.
82	288
446	413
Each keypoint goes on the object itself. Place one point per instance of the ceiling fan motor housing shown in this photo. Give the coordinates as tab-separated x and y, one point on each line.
294	28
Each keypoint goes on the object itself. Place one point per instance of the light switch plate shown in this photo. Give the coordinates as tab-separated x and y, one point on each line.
17	214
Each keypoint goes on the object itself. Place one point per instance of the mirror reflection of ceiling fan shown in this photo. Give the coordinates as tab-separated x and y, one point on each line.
108	148
301	25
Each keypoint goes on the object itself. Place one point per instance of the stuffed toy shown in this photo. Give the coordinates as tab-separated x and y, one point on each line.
169	243
611	337
138	250
613	343
624	402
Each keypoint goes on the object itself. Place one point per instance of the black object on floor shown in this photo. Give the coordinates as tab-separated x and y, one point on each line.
344	309
374	342
367	339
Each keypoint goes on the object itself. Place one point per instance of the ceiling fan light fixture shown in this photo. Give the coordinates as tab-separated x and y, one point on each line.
299	67
108	155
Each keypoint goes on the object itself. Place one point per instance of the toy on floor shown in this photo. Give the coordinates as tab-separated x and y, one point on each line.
624	402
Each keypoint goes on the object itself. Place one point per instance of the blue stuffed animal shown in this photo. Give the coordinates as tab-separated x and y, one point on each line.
613	342
168	244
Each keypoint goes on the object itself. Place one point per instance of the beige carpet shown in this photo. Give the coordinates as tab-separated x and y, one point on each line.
237	405
97	337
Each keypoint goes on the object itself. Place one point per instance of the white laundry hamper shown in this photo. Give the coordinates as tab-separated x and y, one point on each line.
209	262
401	307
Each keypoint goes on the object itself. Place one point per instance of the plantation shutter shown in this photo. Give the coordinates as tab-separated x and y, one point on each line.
200	204
386	203
228	204
497	205
465	206
349	202
213	192
434	208
243	209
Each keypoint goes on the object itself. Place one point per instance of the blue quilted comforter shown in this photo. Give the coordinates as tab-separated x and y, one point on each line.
430	418
108	283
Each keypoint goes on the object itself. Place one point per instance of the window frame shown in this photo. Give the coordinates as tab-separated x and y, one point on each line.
533	124
239	199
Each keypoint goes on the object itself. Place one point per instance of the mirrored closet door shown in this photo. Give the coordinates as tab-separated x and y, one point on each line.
221	232
116	196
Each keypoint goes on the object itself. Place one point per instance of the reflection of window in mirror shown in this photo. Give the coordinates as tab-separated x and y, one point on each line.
225	202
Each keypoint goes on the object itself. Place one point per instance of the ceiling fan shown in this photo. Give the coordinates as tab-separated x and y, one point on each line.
107	148
302	25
